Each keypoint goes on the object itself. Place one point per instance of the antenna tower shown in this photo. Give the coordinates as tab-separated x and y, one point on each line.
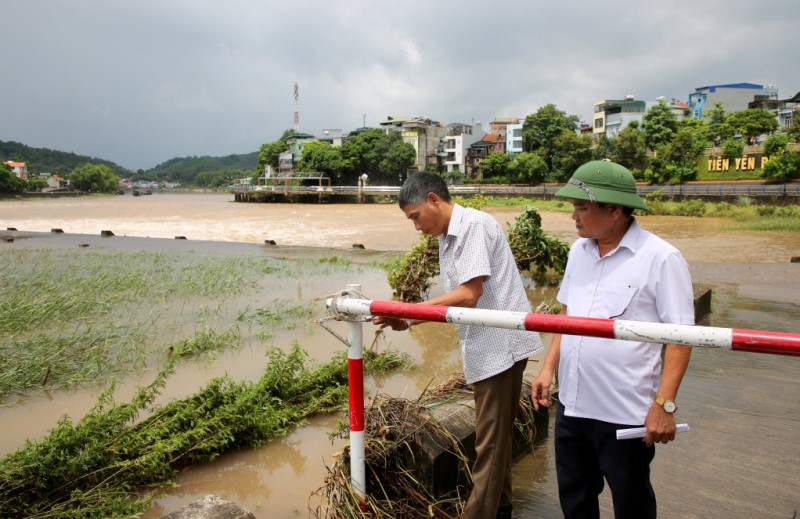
296	111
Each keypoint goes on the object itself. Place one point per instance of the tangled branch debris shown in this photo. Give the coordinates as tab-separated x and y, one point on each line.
394	486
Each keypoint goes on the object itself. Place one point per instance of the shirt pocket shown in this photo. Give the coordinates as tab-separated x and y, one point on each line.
615	302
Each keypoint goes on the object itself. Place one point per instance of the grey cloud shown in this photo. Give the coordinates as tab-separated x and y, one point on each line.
142	82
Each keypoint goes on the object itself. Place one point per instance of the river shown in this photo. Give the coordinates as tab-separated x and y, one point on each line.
740	458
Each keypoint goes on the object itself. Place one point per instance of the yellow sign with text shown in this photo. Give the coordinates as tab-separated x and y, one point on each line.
743	163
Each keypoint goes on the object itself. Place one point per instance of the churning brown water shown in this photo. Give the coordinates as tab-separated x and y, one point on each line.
740	458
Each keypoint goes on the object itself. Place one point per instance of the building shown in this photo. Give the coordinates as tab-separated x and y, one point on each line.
421	132
490	143
784	109
787	110
334	137
611	116
456	145
20	169
514	138
735	97
289	159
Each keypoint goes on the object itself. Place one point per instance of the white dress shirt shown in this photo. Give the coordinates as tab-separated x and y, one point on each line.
643	279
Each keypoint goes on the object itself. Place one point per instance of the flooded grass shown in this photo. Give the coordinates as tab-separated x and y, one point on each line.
78	318
112	461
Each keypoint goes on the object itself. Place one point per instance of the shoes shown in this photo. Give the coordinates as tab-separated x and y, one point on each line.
504	512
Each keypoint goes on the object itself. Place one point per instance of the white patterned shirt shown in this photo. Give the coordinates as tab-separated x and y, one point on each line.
643	279
473	246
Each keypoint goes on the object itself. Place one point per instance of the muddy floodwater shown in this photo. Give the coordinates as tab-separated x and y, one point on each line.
741	457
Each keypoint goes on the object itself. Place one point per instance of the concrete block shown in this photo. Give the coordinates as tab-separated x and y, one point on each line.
435	463
211	507
702	303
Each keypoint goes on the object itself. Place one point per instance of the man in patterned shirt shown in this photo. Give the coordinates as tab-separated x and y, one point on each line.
477	271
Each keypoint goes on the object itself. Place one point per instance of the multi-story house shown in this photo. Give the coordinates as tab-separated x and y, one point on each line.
514	138
456	145
490	143
289	159
784	109
734	97
421	132
611	116
20	169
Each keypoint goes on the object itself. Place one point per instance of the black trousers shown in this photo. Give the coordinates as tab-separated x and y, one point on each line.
587	451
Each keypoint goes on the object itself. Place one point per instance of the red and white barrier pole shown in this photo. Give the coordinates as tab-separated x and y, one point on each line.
355	385
703	336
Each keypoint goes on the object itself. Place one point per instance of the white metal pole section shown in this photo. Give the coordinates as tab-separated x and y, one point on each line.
759	341
355	382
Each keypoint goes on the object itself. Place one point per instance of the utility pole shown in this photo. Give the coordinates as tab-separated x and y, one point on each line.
296	110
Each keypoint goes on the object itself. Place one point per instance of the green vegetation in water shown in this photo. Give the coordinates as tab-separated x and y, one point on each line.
77	318
544	256
103	465
744	214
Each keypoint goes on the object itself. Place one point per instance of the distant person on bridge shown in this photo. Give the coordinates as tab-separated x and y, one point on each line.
616	270
478	271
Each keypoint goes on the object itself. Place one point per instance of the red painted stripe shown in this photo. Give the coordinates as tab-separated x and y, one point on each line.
758	341
355	384
588	326
437	314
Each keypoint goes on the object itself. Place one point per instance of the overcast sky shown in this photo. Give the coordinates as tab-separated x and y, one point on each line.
140	82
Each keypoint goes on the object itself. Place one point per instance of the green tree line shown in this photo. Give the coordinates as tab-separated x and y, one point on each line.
663	149
384	157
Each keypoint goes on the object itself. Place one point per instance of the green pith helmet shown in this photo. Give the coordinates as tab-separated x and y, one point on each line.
603	182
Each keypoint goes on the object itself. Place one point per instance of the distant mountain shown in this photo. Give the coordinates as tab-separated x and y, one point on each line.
185	168
44	160
180	169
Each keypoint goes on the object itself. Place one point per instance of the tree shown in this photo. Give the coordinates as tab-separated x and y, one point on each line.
399	159
701	130
9	183
753	122
783	164
213	179
377	154
793	131
775	145
324	158
630	150
540	130
718	127
270	152
732	149
530	168
570	151
660	125
605	148
495	166
94	178
680	156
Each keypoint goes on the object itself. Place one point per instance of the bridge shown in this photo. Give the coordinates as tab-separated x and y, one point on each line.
710	190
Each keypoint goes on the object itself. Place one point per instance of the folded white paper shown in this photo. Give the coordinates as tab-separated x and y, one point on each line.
639	432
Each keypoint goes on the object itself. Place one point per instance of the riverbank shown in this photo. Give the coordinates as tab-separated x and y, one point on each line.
738	460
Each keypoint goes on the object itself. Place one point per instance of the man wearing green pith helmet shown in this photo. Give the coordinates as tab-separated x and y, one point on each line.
616	270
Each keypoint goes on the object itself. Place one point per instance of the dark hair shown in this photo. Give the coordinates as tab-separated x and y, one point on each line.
627	211
417	186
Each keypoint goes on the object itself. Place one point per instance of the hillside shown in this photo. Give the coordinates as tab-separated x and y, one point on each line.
44	160
180	169
186	169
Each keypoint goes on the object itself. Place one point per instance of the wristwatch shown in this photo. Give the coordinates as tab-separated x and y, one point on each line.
668	405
